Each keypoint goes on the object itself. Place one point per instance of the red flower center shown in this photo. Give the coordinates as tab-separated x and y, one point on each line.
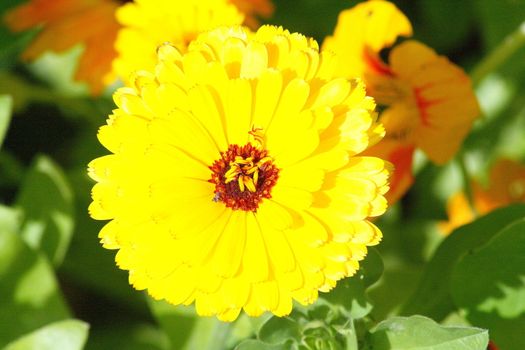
243	176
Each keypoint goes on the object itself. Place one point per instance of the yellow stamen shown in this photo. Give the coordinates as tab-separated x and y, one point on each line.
245	172
251	170
264	160
241	183
248	181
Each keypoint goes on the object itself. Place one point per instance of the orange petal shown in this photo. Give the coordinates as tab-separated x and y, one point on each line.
401	156
459	213
443	95
254	9
67	23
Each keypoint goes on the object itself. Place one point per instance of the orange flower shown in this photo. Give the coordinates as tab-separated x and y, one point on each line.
67	23
254	9
506	186
429	102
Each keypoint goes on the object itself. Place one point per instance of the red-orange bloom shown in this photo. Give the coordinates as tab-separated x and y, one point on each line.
65	23
506	185
401	156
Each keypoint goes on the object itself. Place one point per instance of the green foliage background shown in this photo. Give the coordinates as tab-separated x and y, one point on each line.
60	290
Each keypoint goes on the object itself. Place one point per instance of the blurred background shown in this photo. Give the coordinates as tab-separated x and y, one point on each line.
44	189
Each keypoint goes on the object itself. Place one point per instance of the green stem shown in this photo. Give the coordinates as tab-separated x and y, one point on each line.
351	339
499	55
467	186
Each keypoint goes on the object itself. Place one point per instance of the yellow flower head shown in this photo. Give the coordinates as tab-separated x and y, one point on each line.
235	180
149	23
66	23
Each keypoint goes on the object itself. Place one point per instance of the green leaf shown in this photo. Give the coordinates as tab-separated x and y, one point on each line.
47	202
442	24
29	293
7	4
489	283
311	17
432	297
278	330
63	335
350	293
188	331
252	344
499	18
421	333
6	106
11	45
127	336
10	219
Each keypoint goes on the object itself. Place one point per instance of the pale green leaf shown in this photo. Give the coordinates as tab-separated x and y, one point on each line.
252	344
278	330
63	335
29	294
421	333
432	297
6	106
489	284
47	204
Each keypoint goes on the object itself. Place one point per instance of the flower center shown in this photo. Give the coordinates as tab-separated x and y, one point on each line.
243	176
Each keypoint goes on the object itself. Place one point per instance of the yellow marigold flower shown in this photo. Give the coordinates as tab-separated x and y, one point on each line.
506	186
66	23
253	9
149	23
235	180
429	102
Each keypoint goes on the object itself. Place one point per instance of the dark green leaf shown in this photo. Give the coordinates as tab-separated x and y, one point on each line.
11	45
432	298
127	336
6	105
46	200
29	294
421	333
499	18
63	335
442	24
278	330
7	4
310	17
489	283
